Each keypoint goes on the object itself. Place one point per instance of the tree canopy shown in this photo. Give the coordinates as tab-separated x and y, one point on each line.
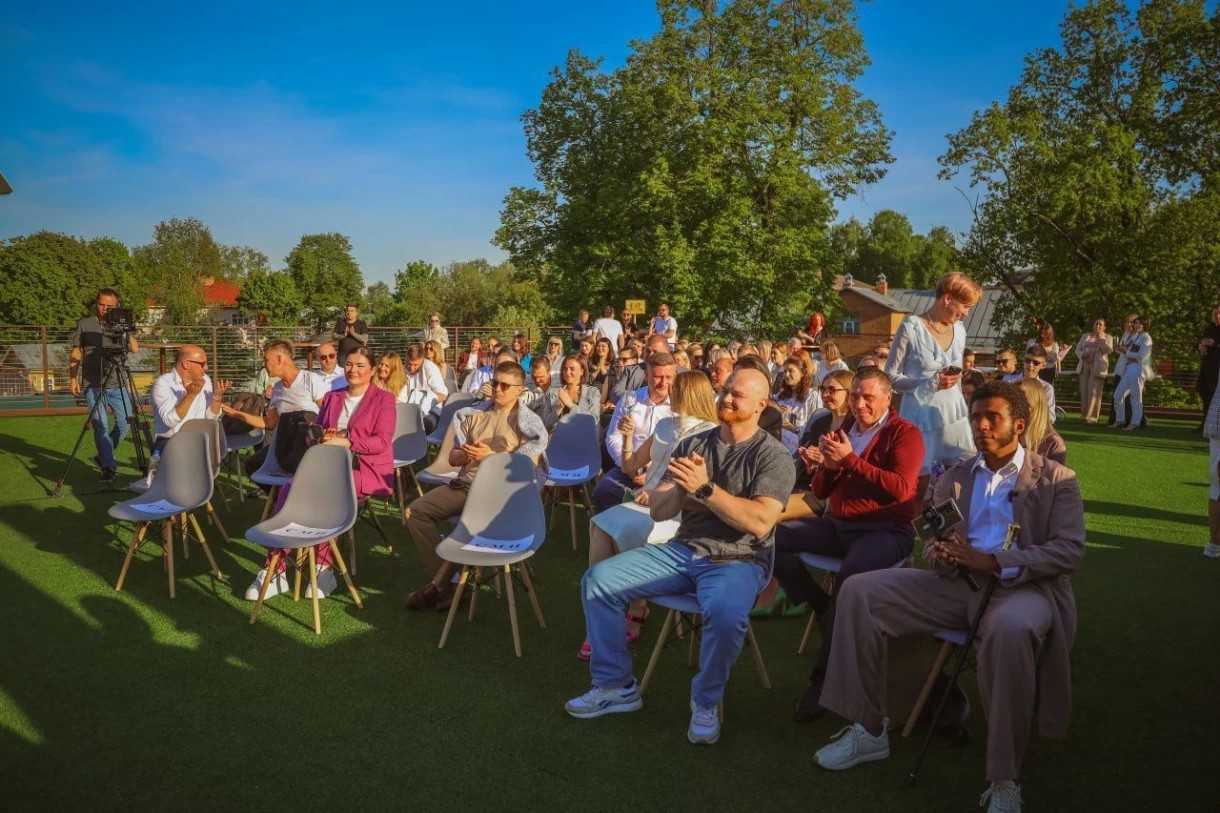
326	275
48	278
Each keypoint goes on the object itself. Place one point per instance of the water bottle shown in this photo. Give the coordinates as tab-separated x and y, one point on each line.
938	468
152	468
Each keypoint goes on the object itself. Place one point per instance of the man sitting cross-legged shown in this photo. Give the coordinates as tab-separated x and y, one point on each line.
729	484
499	424
867	471
1026	634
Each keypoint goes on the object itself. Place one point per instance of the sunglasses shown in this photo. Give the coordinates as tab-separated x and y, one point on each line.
504	386
1034	362
325	356
1005	361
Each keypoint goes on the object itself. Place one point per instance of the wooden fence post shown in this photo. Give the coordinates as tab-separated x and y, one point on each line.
46	395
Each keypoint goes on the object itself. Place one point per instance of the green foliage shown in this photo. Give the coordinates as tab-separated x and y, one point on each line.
890	246
239	262
48	279
272	294
417	275
703	172
1100	173
326	275
175	264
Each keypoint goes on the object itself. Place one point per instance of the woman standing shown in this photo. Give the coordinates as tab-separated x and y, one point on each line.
925	365
1055	352
1137	354
1094	351
811	336
390	375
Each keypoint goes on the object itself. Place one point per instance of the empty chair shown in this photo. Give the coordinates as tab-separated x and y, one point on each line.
183	484
271	475
574	460
410	446
830	566
440	470
320	507
502	525
212	430
452	405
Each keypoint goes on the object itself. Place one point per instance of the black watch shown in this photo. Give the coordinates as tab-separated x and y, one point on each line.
704	492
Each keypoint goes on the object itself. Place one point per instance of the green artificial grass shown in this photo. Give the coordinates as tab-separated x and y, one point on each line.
133	701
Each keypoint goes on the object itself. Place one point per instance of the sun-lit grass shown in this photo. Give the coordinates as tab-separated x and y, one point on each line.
130	700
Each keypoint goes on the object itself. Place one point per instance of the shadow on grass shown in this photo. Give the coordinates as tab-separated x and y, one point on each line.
1144	512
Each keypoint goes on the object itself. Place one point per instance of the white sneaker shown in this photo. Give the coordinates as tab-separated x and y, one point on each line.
597	701
1211	551
854	746
326	583
1004	797
278	585
704	724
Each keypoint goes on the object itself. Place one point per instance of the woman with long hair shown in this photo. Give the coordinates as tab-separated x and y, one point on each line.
1138	356
389	374
629	525
834	415
573	395
601	363
468	360
1040	436
1094	351
434	354
832	360
797	397
1055	352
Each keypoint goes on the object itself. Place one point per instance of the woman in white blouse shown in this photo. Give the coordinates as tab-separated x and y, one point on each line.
1137	354
1055	352
797	398
1094	351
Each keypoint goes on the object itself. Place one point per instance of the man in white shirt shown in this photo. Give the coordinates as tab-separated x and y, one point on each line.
644	409
538	397
665	326
184	393
425	386
331	376
1035	360
1026	635
609	327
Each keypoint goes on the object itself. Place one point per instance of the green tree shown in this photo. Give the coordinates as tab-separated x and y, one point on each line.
414	278
48	278
937	256
703	172
182	254
120	273
272	294
890	247
239	262
326	274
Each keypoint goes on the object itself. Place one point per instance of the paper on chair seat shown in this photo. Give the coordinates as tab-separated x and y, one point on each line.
305	532
481	544
569	474
158	507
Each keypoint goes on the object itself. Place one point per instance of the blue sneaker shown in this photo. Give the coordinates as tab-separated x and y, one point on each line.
704	724
598	701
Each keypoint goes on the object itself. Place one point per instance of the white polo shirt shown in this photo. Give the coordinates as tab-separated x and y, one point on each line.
302	395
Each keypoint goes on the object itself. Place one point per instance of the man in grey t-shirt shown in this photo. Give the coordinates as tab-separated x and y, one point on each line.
730	485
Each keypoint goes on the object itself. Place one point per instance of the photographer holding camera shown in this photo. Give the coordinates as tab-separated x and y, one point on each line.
92	343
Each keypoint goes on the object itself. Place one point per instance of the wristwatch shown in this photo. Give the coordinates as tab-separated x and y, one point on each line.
704	492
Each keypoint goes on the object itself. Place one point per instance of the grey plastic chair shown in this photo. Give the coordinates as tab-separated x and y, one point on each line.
182	484
410	446
271	475
236	444
830	566
574	459
440	471
322	497
452	405
503	506
212	430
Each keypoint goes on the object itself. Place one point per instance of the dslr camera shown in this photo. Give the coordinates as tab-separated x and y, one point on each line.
935	522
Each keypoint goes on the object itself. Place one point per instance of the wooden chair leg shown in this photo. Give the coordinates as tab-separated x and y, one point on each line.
529	588
758	658
271	496
204	544
474	593
666	629
167	533
813	620
351	588
216	521
402	505
313	585
298	571
457	600
943	655
512	609
572	513
351	549
137	537
272	572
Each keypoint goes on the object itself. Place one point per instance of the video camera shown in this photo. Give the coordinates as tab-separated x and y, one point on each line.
119	321
935	522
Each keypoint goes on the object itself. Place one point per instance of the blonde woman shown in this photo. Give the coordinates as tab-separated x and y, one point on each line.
1039	435
1094	351
629	525
832	360
389	374
434	354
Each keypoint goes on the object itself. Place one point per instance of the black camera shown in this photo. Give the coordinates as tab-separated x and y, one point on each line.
119	321
937	521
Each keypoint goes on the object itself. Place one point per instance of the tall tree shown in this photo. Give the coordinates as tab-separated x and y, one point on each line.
936	257
325	273
48	278
182	254
703	171
272	294
889	247
238	262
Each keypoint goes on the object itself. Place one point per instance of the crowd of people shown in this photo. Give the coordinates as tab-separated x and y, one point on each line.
722	465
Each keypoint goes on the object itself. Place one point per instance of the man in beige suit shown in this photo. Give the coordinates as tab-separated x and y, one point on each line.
1026	635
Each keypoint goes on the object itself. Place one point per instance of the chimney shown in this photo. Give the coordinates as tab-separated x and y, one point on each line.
883	287
207	282
848	281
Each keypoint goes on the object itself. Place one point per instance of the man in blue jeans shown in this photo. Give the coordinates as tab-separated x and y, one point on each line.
91	347
730	485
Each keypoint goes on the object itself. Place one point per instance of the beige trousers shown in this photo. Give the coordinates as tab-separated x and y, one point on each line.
1091	388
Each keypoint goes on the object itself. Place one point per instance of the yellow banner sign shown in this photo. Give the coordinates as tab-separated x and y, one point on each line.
637	305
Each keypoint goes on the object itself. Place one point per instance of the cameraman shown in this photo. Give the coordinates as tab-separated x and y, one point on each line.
91	344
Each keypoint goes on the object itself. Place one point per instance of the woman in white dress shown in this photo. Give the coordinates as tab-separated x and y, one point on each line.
925	365
797	398
629	525
1137	353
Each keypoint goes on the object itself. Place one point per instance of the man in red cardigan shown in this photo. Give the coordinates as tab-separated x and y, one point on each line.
867	471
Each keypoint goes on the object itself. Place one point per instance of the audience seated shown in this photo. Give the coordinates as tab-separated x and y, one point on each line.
1039	435
772	419
1035	362
521	349
554	354
330	373
601	365
389	374
423	385
831	360
573	396
435	354
797	398
834	415
183	394
539	395
636	414
971	381
628	375
468	360
479	384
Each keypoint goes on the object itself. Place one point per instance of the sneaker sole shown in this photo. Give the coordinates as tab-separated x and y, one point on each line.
697	740
875	757
617	708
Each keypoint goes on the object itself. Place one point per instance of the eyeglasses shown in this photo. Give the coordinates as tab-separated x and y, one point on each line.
1029	362
831	390
328	356
504	386
1005	361
203	365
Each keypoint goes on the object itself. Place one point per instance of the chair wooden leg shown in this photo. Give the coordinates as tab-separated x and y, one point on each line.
813	620
313	584
204	544
167	533
758	658
474	593
943	655
402	506
572	513
457	600
271	496
666	629
181	520
351	588
137	537
512	609
216	521
351	549
529	588
298	572
272	572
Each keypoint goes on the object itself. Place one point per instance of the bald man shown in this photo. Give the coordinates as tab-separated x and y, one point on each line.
729	484
185	393
331	375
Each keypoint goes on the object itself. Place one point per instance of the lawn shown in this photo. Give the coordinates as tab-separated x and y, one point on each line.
130	700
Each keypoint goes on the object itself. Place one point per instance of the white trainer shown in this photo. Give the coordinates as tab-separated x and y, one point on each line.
853	746
704	724
326	583
278	585
1002	797
598	701
1211	551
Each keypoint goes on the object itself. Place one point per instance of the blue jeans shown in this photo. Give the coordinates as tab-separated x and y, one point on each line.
104	438
726	592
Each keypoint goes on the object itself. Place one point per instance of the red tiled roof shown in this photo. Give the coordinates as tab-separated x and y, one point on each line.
221	294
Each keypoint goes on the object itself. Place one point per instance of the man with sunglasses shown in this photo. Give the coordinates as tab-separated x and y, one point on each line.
496	426
1035	360
331	375
184	394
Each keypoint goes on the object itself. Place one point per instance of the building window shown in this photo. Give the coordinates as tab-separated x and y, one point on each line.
851	325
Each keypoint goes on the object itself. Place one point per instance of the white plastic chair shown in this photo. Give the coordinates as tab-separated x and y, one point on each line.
452	405
440	471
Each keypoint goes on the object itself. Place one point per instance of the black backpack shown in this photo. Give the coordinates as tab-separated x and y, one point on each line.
292	438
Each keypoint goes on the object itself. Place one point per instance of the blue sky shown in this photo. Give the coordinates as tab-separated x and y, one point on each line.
397	124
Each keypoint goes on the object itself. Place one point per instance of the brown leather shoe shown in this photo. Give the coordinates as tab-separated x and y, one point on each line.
444	599
423	598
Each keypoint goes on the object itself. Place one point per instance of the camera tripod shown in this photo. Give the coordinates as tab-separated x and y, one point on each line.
114	368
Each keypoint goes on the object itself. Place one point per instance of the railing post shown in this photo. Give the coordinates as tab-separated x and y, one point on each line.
215	355
46	395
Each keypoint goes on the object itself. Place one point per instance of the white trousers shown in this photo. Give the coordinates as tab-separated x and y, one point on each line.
1131	383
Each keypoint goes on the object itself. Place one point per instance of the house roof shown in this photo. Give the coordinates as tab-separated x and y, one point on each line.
221	293
982	333
885	301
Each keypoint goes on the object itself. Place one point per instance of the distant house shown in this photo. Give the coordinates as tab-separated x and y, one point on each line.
872	314
219	305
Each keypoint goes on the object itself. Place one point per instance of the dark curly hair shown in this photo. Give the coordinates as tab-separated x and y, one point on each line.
1018	404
